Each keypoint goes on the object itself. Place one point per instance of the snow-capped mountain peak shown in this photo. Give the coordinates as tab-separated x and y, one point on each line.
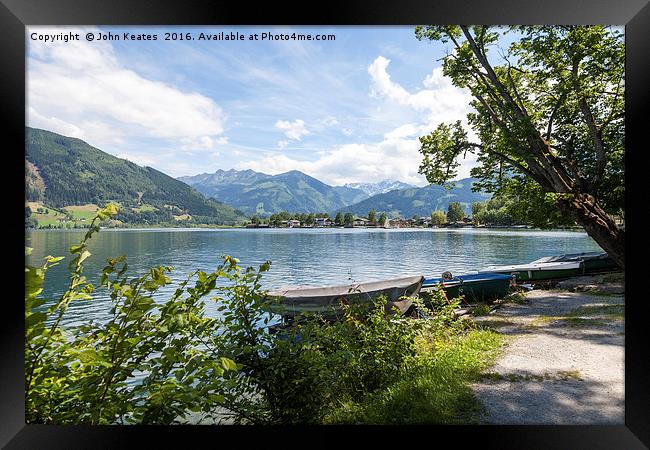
379	188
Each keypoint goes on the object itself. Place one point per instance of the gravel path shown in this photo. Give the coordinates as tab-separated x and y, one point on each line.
564	362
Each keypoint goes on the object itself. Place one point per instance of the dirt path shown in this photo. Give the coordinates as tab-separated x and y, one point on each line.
564	363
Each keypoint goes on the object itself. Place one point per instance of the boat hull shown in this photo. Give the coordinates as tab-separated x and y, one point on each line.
540	270
328	301
481	287
593	262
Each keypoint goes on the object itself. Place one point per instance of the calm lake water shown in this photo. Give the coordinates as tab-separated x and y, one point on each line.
315	257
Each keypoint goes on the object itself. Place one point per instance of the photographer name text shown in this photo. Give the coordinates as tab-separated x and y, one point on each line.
184	36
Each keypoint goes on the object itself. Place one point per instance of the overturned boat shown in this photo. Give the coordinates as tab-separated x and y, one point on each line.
538	271
593	262
328	301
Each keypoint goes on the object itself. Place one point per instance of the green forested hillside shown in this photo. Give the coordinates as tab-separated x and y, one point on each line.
419	201
63	171
259	193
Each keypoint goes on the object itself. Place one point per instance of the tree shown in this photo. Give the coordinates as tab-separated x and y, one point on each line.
496	211
477	207
438	218
455	212
338	220
372	216
382	219
348	218
550	120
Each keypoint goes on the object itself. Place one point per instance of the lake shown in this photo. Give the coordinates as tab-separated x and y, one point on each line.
299	256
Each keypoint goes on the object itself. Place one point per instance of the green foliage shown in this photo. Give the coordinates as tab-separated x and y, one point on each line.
455	212
438	218
365	350
550	117
482	309
372	216
495	211
435	390
85	375
348	218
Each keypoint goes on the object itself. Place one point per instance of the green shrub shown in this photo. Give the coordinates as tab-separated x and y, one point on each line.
85	375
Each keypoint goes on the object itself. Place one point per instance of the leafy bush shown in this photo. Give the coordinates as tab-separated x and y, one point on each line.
86	375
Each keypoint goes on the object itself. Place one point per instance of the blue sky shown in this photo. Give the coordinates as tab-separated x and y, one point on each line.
348	110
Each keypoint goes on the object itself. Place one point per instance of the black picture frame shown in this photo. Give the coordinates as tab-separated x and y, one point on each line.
634	14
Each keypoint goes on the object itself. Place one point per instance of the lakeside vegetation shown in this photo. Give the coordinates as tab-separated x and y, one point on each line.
501	211
163	362
548	122
167	362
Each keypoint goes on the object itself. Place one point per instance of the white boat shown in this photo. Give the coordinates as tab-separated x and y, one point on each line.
540	270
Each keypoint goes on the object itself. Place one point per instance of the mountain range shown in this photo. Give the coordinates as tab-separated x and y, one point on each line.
379	188
62	171
259	193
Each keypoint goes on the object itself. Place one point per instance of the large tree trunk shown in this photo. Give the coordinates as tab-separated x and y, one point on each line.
598	225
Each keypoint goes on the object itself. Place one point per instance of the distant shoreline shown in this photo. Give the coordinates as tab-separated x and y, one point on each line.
243	227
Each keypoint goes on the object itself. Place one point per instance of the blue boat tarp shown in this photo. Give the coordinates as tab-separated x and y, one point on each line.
459	279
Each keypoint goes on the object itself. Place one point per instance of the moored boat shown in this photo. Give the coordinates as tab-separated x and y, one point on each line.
537	271
475	287
327	301
593	262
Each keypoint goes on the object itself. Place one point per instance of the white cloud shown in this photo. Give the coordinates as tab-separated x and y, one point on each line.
293	130
404	131
441	99
397	159
197	143
283	144
346	131
77	84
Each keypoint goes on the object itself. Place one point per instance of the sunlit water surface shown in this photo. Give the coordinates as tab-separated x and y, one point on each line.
314	257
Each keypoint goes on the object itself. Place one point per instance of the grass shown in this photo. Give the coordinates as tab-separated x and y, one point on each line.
547	376
518	298
600	293
615	310
49	216
576	317
580	322
144	208
434	391
614	277
496	323
83	212
482	309
541	320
